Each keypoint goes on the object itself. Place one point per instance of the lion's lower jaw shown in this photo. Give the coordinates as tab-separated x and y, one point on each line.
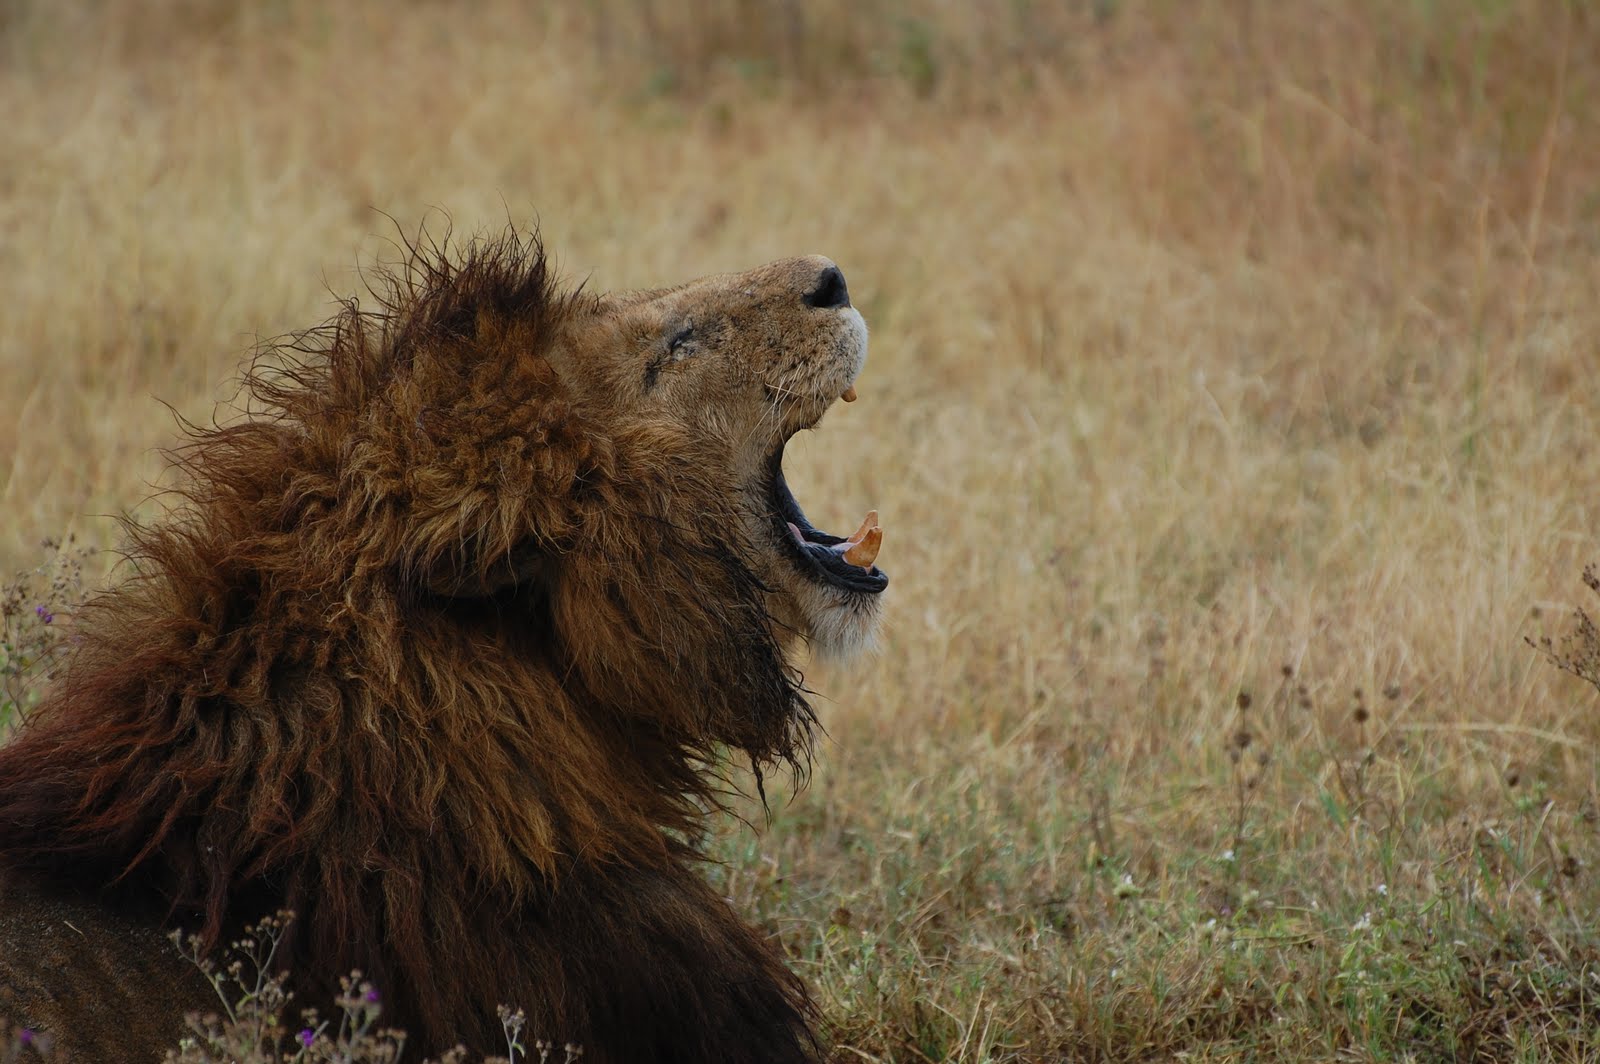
839	625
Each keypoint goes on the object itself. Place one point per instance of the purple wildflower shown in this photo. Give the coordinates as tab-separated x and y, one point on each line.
25	1036
371	995
44	614
306	1037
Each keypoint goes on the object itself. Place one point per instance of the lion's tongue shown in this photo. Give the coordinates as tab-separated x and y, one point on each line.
862	548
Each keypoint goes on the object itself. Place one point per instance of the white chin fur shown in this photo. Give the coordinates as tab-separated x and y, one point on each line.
840	625
858	330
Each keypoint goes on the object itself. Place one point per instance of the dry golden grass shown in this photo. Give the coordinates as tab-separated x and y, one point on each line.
1218	347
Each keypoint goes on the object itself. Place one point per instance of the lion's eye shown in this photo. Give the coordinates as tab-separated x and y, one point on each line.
681	345
678	347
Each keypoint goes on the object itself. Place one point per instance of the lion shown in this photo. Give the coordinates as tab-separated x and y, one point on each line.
444	649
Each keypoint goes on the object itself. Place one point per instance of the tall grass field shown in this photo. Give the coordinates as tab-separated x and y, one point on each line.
1233	412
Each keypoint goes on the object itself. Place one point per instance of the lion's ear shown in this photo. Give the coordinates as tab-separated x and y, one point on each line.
482	514
500	472
465	576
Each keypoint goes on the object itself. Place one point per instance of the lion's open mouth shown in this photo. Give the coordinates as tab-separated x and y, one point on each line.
836	560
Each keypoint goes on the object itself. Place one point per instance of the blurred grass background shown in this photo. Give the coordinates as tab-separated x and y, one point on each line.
1231	412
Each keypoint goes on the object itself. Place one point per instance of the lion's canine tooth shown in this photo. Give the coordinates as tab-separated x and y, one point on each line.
866	552
849	395
870	521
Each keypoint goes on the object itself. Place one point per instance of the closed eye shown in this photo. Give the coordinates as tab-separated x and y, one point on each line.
684	336
678	348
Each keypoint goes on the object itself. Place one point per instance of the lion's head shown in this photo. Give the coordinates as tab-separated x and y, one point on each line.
736	365
446	636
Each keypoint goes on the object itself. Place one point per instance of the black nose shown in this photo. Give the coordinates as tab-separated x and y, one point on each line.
830	291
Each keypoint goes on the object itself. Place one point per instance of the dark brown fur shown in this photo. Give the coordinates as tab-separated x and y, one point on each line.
439	655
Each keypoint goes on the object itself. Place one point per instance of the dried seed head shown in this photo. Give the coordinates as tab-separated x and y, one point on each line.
1361	714
1243	701
1241	739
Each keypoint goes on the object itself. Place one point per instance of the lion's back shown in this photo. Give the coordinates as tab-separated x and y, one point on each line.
86	979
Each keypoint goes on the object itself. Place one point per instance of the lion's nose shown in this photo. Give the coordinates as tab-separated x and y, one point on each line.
830	291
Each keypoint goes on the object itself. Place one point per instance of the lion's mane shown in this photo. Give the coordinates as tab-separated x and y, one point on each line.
442	661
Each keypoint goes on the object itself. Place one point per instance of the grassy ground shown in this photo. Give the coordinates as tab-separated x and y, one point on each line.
1231	412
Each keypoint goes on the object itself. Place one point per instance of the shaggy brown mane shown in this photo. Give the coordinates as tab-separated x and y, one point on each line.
423	650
